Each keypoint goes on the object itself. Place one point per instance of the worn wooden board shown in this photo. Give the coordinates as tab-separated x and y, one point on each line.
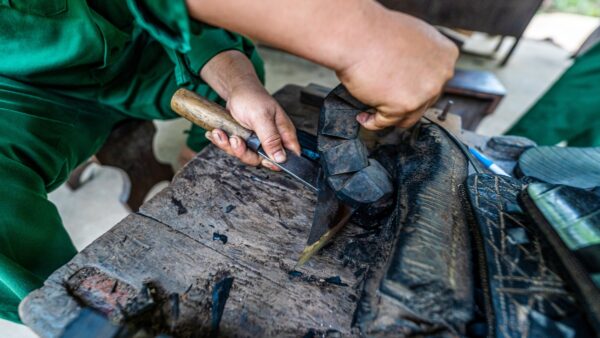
219	219
266	218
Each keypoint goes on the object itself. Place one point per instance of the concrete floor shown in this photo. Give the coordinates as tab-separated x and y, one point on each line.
93	209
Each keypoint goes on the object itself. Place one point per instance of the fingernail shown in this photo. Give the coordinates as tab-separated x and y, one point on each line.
234	142
208	135
362	117
279	156
266	164
217	136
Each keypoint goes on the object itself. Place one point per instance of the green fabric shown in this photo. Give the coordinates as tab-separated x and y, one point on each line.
70	71
43	137
76	42
570	109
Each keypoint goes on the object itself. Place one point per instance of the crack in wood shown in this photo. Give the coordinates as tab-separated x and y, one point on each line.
258	273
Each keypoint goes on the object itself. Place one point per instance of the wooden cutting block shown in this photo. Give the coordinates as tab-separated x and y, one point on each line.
218	219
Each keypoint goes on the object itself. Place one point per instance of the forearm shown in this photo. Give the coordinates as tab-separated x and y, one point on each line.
390	61
334	33
228	71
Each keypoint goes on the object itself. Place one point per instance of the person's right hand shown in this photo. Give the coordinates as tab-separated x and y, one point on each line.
232	76
391	61
253	108
402	73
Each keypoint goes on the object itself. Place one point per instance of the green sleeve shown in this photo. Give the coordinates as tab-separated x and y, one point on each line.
190	44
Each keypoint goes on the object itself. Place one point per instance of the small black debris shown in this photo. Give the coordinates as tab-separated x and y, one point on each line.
143	301
312	333
229	208
218	237
335	280
299	276
359	272
180	208
295	273
331	333
220	295
174	299
114	287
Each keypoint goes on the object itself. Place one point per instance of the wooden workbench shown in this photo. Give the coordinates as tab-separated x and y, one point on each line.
174	243
217	219
215	251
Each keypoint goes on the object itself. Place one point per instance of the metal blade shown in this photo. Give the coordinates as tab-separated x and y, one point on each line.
325	211
303	169
342	217
330	216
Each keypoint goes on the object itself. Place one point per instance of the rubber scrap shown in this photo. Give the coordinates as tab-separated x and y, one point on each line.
338	119
181	209
219	237
347	157
575	167
220	295
335	280
369	185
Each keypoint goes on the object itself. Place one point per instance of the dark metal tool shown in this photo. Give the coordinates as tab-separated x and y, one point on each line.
329	218
210	115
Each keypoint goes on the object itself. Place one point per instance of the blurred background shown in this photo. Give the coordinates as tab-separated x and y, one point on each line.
552	32
583	7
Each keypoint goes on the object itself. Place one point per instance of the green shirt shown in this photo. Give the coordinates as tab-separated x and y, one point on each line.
108	60
75	43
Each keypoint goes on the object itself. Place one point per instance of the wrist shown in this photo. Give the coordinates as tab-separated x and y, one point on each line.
243	83
391	40
229	71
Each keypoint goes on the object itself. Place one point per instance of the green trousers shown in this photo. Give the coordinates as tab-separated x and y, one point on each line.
44	135
570	109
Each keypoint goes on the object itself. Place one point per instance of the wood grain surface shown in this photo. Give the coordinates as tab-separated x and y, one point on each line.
266	218
220	219
206	114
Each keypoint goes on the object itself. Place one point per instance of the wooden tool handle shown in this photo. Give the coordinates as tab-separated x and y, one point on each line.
206	114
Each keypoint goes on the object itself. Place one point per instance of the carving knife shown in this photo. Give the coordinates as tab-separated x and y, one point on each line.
210	115
330	214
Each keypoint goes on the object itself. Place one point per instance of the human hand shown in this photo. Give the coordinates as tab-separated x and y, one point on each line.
389	60
402	73
254	109
232	76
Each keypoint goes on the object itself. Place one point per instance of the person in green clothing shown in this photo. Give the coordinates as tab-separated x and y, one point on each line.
570	109
70	70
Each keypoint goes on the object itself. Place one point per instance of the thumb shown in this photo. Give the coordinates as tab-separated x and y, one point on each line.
376	121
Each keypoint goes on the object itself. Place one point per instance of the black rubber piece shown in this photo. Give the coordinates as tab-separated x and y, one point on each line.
347	157
575	167
367	186
338	118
